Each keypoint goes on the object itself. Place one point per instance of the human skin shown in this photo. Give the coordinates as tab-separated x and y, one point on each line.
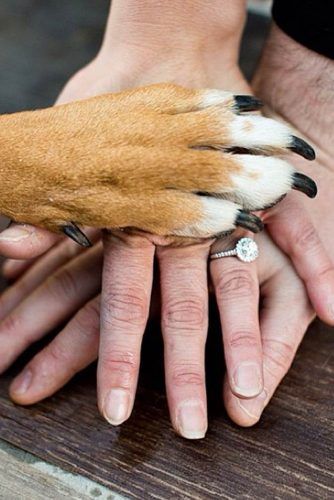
267	344
288	70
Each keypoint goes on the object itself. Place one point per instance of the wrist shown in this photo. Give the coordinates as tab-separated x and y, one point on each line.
125	70
147	29
199	50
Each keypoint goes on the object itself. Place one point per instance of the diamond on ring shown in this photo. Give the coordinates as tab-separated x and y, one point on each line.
246	250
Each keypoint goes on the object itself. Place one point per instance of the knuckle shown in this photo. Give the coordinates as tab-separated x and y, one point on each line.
58	353
243	339
12	324
62	284
19	289
121	364
187	374
22	288
306	238
87	321
279	355
326	273
187	315
128	307
234	284
43	368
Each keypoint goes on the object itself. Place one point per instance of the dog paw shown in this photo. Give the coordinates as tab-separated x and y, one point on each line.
163	159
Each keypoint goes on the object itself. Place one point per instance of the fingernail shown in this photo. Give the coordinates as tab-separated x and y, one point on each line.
22	382
191	419
14	234
253	407
247	380
116	406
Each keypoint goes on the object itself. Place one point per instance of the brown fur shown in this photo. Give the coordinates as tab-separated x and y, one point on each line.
119	160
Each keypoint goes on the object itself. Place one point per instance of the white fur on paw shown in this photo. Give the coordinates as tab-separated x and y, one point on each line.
262	181
216	98
258	132
218	216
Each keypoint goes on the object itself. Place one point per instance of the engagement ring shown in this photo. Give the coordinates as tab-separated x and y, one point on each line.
246	250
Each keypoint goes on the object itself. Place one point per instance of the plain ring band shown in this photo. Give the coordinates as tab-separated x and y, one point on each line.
245	250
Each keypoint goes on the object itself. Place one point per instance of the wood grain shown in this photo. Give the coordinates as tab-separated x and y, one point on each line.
289	454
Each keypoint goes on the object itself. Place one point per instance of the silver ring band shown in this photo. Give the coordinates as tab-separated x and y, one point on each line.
245	250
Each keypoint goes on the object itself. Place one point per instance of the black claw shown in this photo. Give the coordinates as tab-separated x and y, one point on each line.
223	234
303	183
72	231
247	103
302	148
249	221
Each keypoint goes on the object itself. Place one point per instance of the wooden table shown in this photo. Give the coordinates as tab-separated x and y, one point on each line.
289	454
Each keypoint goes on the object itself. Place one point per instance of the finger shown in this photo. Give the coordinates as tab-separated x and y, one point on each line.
184	295
39	272
13	269
50	304
292	229
237	294
21	241
284	320
72	350
126	292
